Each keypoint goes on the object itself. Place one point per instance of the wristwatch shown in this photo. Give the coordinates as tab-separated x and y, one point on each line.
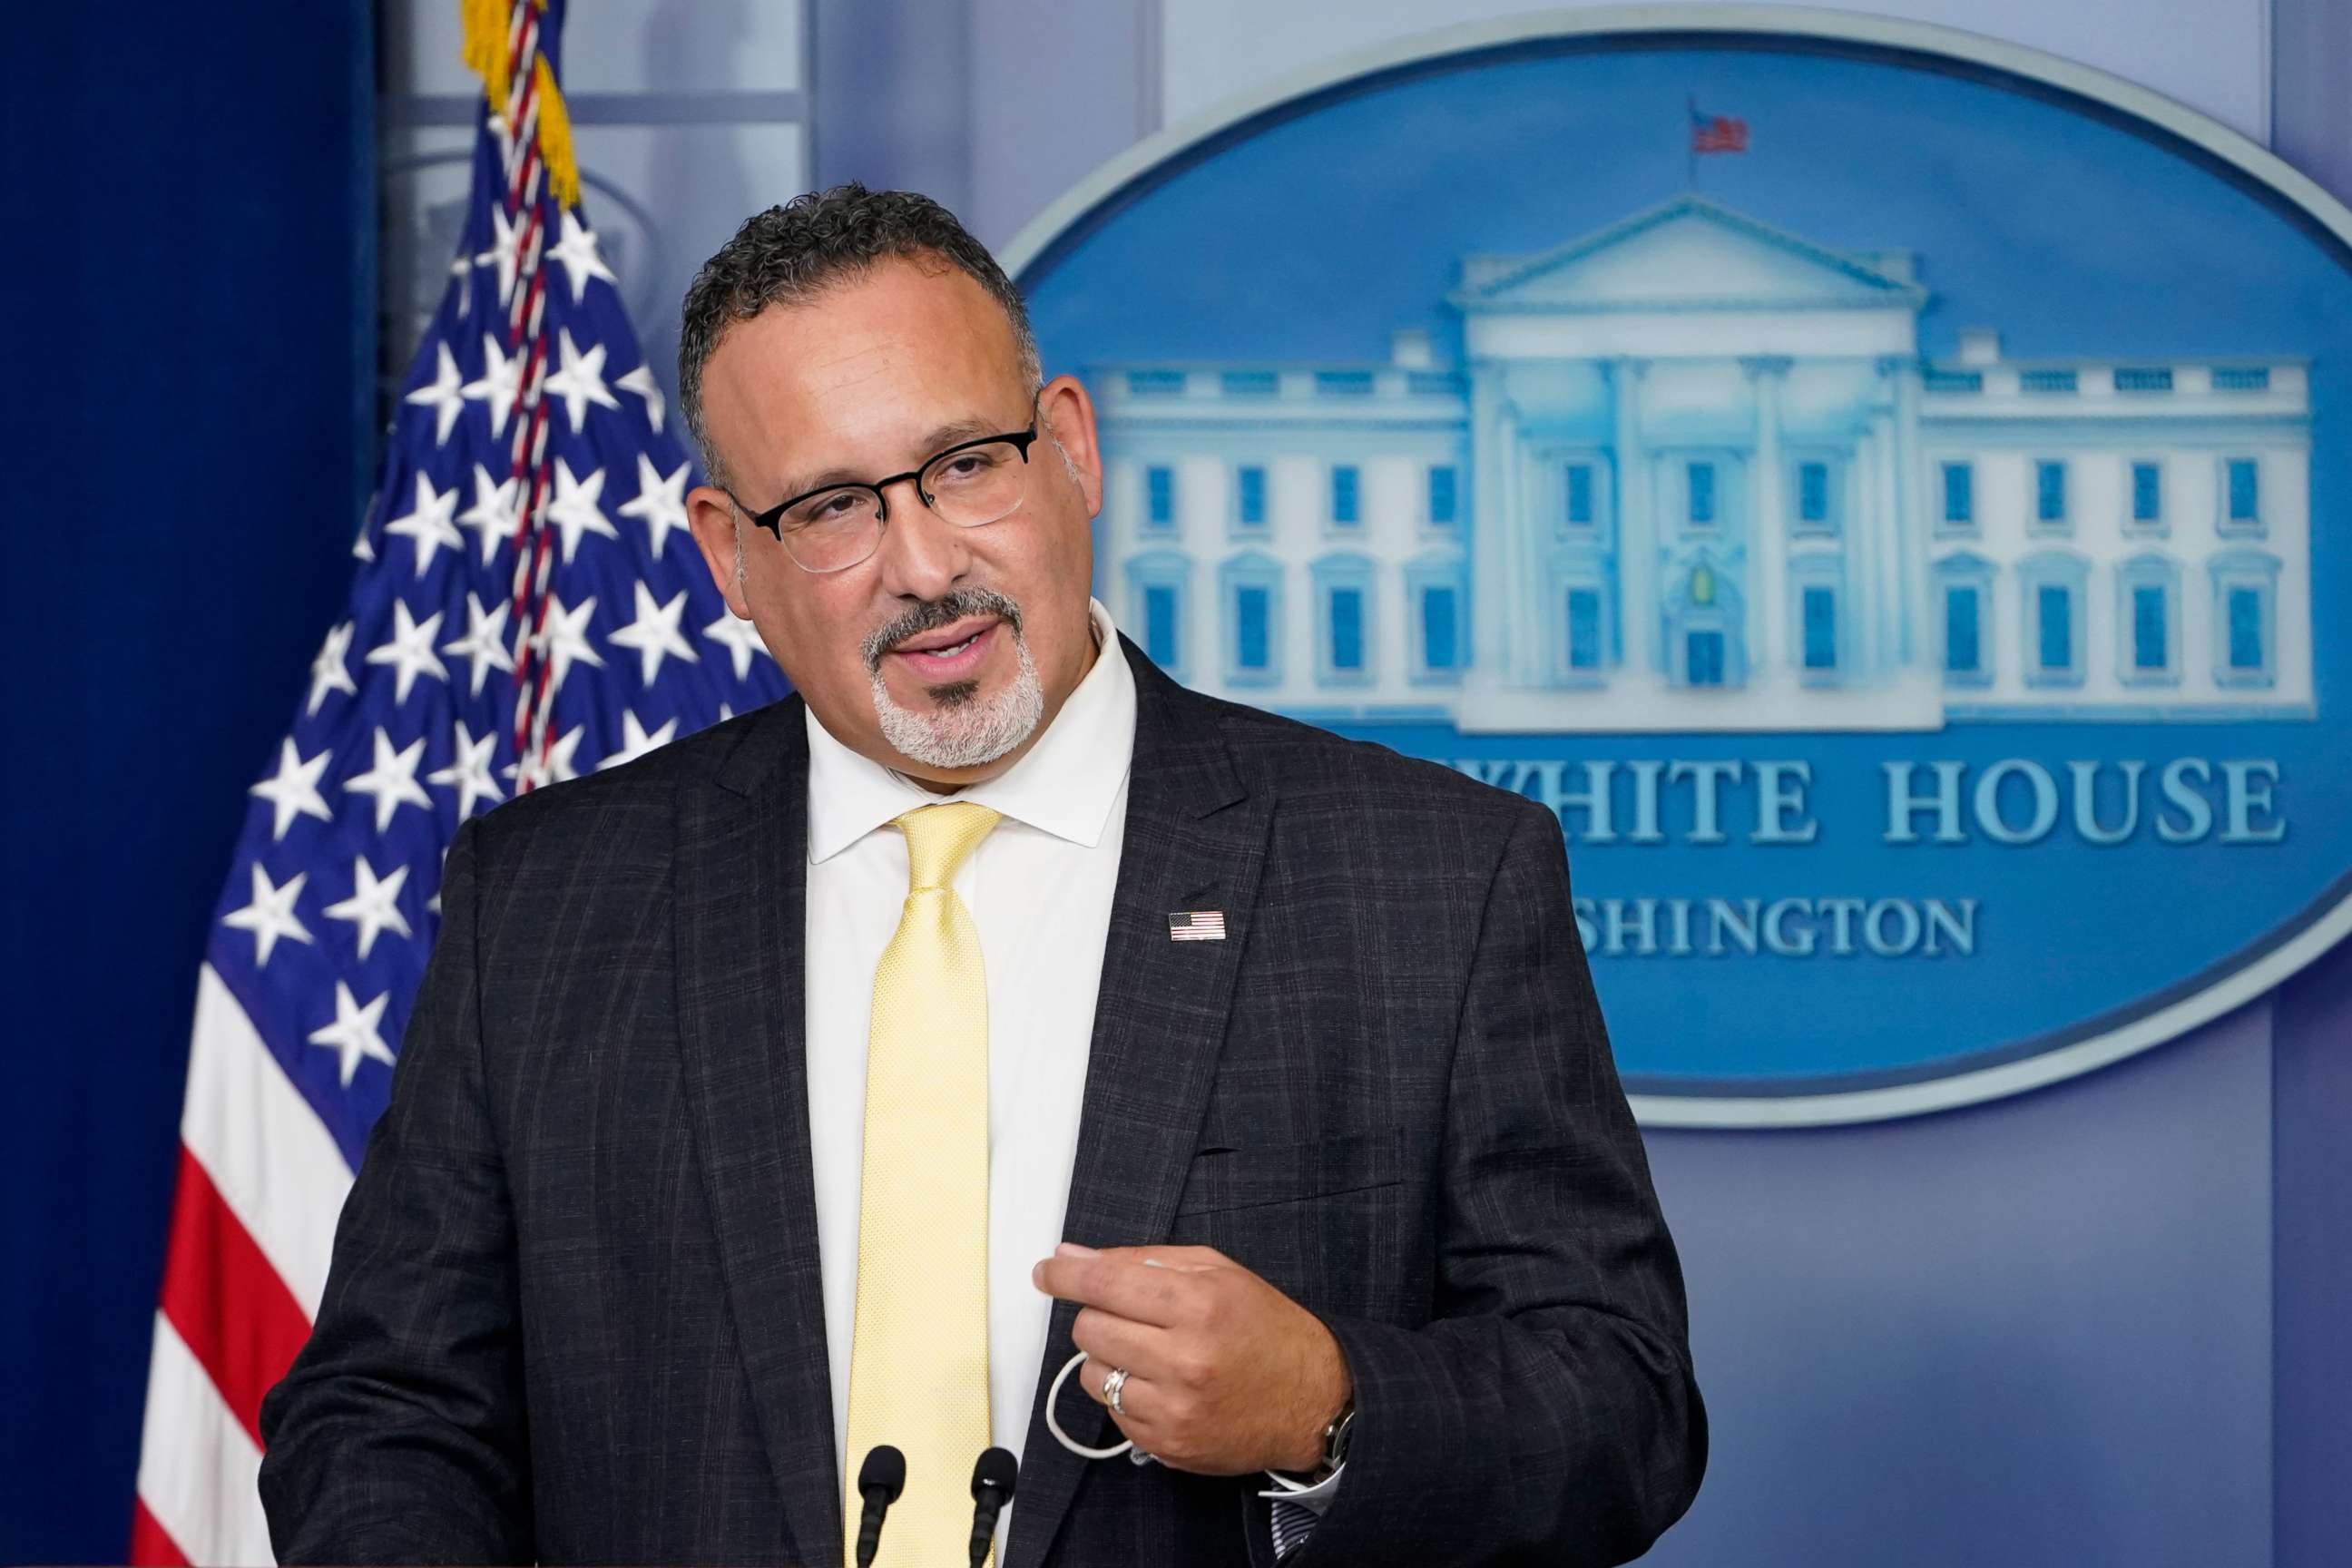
1335	1440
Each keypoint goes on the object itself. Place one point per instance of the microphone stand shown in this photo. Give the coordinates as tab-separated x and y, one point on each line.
879	1481
992	1480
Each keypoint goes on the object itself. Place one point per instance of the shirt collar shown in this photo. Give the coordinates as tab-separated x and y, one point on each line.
1065	785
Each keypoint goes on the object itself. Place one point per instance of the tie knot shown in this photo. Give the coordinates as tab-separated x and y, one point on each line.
940	838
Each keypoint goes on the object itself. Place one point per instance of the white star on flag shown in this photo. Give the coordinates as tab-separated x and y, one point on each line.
660	502
581	380
654	634
442	395
576	252
410	652
469	767
353	1035
373	906
740	637
485	642
429	524
270	915
293	790
501	377
635	742
331	670
492	515
393	779
505	252
641	382
562	641
555	768
574	510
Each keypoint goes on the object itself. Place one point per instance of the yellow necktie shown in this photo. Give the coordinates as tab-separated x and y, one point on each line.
918	1365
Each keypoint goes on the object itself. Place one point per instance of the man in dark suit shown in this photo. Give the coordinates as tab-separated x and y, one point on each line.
699	1178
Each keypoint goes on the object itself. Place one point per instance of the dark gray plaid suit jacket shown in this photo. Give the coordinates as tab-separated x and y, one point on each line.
575	1309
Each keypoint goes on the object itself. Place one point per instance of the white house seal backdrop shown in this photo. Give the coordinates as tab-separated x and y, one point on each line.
1879	487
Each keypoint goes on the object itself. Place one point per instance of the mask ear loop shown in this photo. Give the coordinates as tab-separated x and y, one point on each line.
1054	1424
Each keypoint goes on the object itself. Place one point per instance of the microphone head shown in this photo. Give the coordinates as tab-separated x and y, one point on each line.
884	1467
996	1472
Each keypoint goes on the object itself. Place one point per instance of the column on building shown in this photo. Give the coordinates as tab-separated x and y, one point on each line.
1637	550
1767	587
1860	533
1528	645
1885	593
1909	605
1493	606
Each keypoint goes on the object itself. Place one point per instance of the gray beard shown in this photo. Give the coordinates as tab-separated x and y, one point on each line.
965	730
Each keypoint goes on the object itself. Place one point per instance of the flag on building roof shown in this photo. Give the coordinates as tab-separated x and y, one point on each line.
528	605
1717	132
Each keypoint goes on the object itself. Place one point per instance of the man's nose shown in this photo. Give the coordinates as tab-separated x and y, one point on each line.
922	556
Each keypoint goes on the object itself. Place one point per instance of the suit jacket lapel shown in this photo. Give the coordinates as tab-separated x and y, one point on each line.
742	874
1195	840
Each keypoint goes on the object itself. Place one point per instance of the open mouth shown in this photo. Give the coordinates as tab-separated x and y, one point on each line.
951	652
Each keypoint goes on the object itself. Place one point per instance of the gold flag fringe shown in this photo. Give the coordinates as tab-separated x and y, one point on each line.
486	23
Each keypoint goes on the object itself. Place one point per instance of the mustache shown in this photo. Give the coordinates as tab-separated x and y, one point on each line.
929	615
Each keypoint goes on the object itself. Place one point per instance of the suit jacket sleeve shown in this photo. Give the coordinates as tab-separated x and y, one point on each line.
399	1435
1546	1413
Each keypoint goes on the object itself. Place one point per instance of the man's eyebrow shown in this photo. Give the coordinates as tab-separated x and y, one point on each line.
938	441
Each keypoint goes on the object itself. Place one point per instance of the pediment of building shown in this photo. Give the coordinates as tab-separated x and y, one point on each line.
1689	254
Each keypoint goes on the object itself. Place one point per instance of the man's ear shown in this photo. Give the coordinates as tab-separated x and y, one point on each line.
1067	416
717	534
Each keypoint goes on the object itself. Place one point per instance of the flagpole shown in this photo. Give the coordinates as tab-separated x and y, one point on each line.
1690	140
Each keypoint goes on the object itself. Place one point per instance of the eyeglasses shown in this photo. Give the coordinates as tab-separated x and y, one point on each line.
970	485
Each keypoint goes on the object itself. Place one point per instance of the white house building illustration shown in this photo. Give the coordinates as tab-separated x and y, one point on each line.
1695	474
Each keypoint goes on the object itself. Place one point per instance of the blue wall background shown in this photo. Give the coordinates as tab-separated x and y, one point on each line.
2102	1323
189	392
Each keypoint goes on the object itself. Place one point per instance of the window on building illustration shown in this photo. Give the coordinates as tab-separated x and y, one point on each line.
2149	623
1438	650
1250	483
1701	479
2050	492
1960	493
1585	628
1346	498
2148	493
1963	632
1820	628
1441	495
1813	493
2053	608
1580	495
1253	617
1250	382
1703	658
2245	629
1160	496
2245	492
1160	624
1347	629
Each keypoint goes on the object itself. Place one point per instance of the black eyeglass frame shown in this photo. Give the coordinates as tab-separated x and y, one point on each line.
772	519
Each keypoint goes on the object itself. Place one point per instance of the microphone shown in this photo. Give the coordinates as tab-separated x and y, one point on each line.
992	1489
879	1481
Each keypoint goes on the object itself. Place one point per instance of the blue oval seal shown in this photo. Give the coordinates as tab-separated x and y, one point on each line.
1879	487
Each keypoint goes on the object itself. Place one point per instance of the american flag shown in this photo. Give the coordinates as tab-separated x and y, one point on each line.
1717	132
1196	925
529	606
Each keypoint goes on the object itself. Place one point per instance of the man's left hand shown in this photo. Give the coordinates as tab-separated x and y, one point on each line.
1225	1375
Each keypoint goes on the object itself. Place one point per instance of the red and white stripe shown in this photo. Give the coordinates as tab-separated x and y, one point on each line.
261	1183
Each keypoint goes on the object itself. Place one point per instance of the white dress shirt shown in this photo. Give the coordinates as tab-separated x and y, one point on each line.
1039	889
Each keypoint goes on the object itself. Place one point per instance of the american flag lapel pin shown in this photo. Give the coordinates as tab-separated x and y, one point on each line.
1196	925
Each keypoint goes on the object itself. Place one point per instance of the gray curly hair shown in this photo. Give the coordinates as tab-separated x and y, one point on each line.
787	255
